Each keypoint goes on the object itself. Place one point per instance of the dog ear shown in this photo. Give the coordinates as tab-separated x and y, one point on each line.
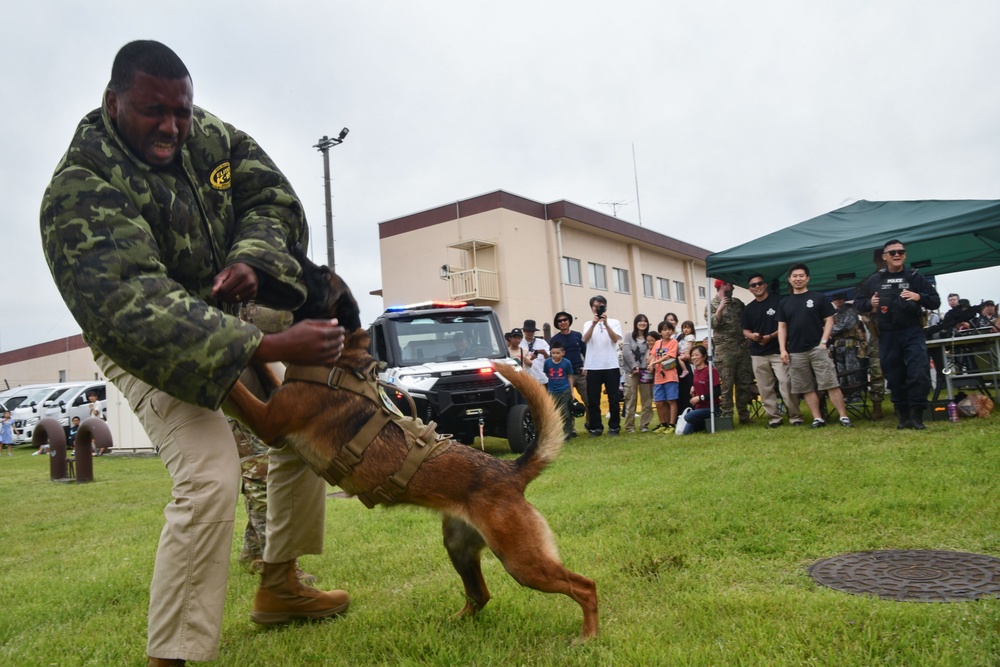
359	339
327	296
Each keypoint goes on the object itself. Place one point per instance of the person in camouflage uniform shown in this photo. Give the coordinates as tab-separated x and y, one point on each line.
729	347
253	466
849	343
876	381
158	222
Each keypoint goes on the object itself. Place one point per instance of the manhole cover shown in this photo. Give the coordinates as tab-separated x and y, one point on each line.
923	576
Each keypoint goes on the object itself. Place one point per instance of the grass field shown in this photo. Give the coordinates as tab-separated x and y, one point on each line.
699	546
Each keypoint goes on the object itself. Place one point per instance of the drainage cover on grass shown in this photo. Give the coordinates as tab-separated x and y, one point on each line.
923	576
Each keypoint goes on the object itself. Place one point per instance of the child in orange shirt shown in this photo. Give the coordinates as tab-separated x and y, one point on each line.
663	358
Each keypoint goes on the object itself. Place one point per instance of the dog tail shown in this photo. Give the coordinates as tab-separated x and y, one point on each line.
548	423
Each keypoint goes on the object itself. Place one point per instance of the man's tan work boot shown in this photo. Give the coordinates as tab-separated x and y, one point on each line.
281	597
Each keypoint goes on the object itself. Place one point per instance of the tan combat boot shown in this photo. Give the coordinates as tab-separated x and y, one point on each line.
877	411
281	597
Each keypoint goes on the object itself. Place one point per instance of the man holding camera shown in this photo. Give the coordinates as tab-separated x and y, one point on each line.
729	347
536	351
601	336
896	296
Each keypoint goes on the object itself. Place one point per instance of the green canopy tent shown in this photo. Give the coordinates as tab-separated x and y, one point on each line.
940	237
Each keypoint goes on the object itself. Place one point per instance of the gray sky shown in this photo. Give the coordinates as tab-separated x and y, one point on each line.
745	117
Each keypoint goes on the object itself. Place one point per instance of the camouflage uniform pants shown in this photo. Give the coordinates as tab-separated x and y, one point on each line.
845	358
875	378
735	371
253	466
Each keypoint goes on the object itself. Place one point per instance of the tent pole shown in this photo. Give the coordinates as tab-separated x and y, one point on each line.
711	359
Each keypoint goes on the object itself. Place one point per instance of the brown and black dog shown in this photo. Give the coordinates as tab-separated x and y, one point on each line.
480	497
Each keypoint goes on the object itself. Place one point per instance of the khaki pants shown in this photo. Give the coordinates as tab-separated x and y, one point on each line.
639	394
196	445
768	368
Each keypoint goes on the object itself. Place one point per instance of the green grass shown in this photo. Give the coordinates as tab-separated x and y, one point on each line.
699	546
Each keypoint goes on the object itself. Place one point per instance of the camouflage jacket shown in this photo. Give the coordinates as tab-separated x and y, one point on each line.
728	330
134	250
847	329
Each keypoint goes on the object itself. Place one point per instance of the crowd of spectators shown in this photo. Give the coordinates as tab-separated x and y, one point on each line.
770	354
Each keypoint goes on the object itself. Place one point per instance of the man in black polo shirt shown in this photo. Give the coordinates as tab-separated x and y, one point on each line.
760	328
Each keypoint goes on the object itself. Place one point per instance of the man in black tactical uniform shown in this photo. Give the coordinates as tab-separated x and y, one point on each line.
895	296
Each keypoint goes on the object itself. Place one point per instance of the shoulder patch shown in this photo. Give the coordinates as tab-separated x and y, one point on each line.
219	179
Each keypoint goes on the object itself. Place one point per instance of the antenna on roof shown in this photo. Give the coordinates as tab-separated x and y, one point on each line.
614	206
635	171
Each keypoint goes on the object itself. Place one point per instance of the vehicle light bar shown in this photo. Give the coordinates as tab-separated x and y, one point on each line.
427	305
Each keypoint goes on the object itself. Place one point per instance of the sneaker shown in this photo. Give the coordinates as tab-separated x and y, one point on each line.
670	428
796	423
775	424
595	433
818	423
34	453
846	422
644	430
612	431
571	435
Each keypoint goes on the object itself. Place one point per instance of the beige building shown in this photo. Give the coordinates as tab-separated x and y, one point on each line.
530	260
71	360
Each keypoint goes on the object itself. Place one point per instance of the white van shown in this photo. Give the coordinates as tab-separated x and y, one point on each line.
75	403
30	411
12	398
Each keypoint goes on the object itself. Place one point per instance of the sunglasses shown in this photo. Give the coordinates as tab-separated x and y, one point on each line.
895	253
561	320
757	284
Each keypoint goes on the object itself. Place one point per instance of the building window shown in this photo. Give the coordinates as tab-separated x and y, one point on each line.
679	292
647	285
571	271
598	275
664	288
701	292
621	281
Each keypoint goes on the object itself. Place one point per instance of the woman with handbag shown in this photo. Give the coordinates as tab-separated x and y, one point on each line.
663	359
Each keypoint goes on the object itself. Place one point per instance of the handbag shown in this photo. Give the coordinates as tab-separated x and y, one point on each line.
669	364
681	422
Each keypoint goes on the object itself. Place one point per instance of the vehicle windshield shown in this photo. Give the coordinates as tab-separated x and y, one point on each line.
14	401
446	337
53	397
37	396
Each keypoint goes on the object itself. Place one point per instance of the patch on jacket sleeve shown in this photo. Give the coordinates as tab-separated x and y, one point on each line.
220	178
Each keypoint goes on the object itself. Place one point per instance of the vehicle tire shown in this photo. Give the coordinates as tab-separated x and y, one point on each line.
520	428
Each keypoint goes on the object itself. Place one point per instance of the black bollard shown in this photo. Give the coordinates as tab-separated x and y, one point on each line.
92	429
50	432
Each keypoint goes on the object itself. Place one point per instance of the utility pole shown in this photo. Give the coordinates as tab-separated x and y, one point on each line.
324	146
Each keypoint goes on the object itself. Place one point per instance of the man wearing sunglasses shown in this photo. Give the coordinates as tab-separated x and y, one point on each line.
896	296
760	328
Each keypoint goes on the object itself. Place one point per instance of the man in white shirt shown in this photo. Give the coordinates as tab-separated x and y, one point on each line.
536	351
601	336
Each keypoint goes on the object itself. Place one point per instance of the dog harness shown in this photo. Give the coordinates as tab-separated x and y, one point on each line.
422	440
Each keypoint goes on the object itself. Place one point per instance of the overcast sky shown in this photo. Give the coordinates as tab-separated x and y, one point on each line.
745	117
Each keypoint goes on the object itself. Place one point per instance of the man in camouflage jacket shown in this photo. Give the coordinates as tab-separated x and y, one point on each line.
729	348
159	221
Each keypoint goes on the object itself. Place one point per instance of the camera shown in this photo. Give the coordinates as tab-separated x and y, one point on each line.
728	293
601	309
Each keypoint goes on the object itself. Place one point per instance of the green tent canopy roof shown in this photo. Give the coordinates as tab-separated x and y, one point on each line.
940	237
